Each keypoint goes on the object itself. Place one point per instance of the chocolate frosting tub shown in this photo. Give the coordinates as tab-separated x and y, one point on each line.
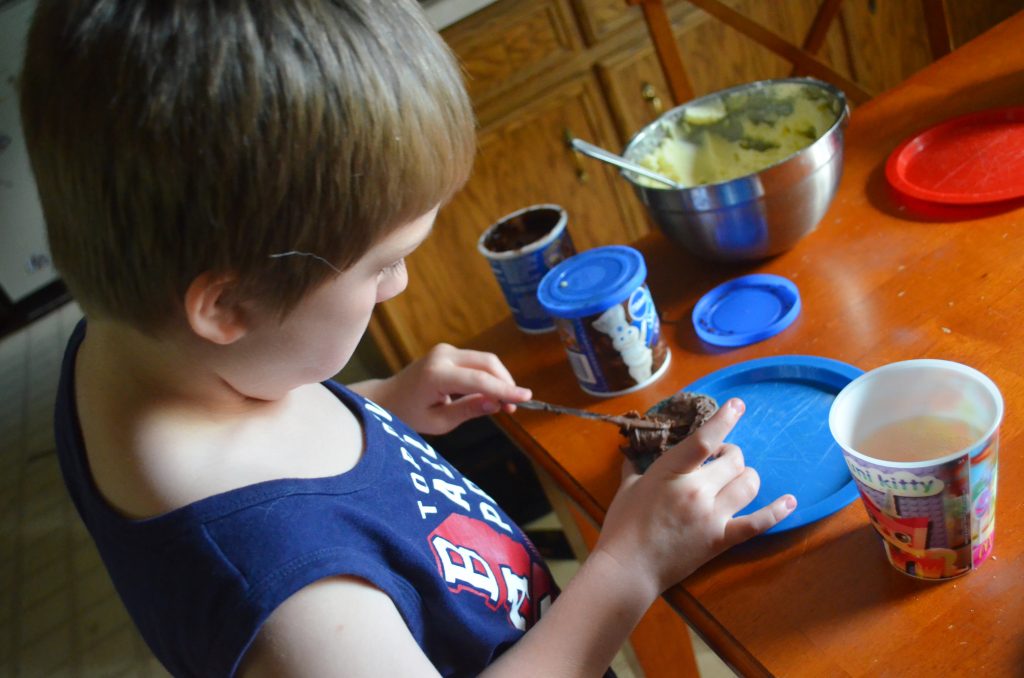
521	248
606	319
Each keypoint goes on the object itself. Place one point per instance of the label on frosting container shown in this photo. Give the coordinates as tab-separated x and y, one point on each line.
618	350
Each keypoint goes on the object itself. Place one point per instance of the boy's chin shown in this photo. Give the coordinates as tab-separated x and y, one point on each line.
273	390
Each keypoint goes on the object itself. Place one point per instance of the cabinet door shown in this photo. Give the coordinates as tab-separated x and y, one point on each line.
523	159
601	18
636	88
509	45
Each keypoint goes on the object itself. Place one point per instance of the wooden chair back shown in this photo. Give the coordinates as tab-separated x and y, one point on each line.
803	57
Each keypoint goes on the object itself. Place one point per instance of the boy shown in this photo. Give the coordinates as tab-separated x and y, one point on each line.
230	187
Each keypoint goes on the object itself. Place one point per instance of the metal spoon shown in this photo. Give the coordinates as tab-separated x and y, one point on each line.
598	153
610	418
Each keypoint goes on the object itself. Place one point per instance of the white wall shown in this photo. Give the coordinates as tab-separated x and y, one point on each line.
24	257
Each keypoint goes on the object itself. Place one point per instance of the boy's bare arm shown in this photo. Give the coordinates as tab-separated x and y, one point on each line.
660	527
445	388
339	626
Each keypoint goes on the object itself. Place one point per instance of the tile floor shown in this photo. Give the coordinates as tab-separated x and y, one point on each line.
59	614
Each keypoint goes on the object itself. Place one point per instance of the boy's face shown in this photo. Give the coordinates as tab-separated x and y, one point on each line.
320	335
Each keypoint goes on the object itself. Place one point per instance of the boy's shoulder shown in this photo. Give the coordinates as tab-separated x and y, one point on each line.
147	461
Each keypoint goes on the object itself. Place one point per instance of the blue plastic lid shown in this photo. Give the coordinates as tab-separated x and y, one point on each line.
591	282
784	432
746	310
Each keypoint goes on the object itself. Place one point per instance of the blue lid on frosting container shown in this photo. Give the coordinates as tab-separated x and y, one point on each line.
592	281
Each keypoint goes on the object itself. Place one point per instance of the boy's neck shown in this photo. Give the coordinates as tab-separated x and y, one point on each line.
173	369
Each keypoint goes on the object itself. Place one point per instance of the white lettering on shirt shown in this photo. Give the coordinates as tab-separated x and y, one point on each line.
439	467
420	483
408	458
461	565
429	458
517	590
453	492
421	446
472	554
491	515
389	430
378	411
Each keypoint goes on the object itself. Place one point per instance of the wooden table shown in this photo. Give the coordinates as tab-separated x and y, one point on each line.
881	281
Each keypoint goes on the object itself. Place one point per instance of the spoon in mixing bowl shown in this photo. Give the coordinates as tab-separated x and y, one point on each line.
598	153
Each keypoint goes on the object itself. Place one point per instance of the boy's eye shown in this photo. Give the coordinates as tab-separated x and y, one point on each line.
394	268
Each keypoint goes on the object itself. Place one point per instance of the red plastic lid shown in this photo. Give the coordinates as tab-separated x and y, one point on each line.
971	159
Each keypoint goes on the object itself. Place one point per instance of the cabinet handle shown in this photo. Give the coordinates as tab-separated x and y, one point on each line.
650	95
577	158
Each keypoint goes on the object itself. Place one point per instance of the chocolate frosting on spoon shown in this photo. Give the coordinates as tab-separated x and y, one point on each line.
683	413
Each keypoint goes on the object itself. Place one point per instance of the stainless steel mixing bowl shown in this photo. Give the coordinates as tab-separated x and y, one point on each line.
753	216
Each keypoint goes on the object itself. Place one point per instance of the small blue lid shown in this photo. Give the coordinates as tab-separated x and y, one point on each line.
746	310
591	282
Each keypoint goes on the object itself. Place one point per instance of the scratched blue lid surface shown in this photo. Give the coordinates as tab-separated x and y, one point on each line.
746	310
591	282
784	432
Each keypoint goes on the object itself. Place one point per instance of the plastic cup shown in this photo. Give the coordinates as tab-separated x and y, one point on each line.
521	248
921	439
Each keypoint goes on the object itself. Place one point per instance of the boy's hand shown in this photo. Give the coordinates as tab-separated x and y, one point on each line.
663	525
447	387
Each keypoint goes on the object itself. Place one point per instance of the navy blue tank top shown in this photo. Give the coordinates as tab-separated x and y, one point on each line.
200	580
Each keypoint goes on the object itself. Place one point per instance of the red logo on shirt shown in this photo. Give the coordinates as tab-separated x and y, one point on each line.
473	557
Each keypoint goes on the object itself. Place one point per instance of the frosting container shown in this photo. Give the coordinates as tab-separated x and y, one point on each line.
521	247
606	319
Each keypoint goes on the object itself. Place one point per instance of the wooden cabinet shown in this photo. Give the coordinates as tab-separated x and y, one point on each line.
509	45
600	19
635	87
539	70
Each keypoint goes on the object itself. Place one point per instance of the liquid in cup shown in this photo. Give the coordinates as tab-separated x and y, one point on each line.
918	438
921	440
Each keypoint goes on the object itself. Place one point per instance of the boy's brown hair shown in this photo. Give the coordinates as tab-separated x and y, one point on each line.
173	137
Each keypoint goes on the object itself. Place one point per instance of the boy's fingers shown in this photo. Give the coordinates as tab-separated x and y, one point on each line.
469	380
687	456
481	360
444	417
737	491
743	528
724	469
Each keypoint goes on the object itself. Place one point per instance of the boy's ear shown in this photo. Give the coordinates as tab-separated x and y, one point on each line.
211	310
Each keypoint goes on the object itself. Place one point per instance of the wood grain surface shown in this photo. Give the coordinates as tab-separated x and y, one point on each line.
538	70
881	280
